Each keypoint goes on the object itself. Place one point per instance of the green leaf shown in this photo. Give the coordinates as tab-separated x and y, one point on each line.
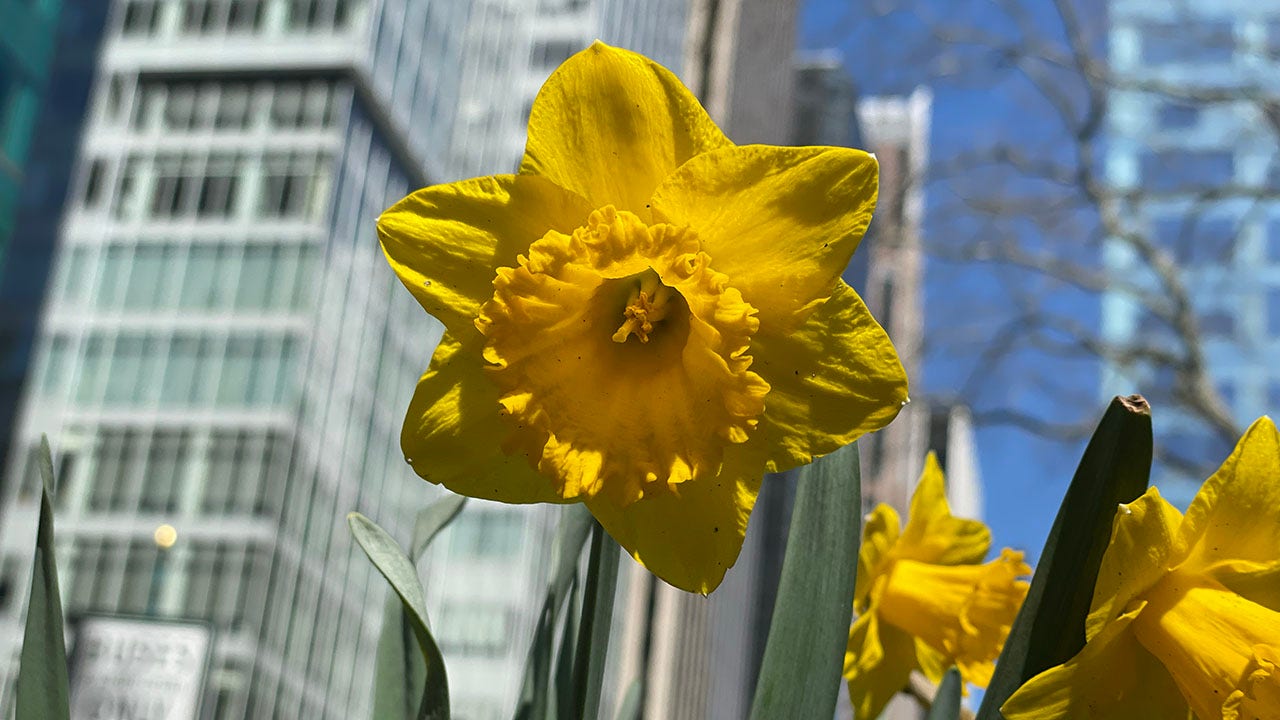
631	705
597	621
804	655
396	567
433	519
571	534
42	689
1049	629
564	661
946	701
532	704
400	672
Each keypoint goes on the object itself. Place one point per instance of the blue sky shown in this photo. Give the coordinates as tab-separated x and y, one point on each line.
979	100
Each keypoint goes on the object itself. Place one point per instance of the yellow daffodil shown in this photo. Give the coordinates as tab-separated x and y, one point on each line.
646	318
924	600
1186	609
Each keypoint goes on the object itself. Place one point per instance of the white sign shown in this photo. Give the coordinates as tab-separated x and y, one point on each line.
138	669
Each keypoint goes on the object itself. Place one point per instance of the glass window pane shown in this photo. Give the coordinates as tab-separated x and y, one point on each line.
237	367
145	277
126	363
113	277
256	277
180	372
199	280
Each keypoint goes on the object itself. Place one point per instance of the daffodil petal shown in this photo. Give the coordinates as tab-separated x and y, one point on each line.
878	662
691	534
1257	582
1112	678
879	534
1258	698
933	664
453	426
781	222
445	242
610	124
933	534
1143	533
832	380
1236	514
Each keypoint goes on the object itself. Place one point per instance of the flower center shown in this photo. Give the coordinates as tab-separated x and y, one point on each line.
594	411
648	303
1218	646
963	611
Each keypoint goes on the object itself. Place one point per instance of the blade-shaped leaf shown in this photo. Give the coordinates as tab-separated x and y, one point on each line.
400	672
563	678
532	704
42	690
571	534
597	621
803	657
631	706
432	520
946	701
1049	629
396	567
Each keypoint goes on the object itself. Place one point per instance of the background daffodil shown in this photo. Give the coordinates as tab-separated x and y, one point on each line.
924	600
646	318
1186	610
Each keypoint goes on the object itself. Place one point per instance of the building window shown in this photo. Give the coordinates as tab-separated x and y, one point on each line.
1218	323
141	17
548	54
172	194
295	186
286	106
245	15
1187	170
1177	116
1200	43
233	107
198	16
180	108
312	15
93	183
487	533
1197	239
477	629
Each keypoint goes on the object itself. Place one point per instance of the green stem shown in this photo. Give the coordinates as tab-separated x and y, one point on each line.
594	626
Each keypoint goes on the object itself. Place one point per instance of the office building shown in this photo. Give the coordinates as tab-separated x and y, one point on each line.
222	348
1195	177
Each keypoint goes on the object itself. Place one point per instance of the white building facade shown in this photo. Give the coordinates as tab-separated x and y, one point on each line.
225	351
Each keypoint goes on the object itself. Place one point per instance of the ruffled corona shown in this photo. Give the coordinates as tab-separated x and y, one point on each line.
963	611
1259	690
635	311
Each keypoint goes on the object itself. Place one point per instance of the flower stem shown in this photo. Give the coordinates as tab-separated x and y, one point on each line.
595	623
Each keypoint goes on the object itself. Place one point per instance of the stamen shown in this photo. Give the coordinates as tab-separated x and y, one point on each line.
648	303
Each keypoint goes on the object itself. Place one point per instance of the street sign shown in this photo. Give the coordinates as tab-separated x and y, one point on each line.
136	669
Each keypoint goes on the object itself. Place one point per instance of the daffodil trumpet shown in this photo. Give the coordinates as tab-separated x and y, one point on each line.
924	599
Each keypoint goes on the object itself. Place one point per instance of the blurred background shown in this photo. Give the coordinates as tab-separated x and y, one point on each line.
1080	198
